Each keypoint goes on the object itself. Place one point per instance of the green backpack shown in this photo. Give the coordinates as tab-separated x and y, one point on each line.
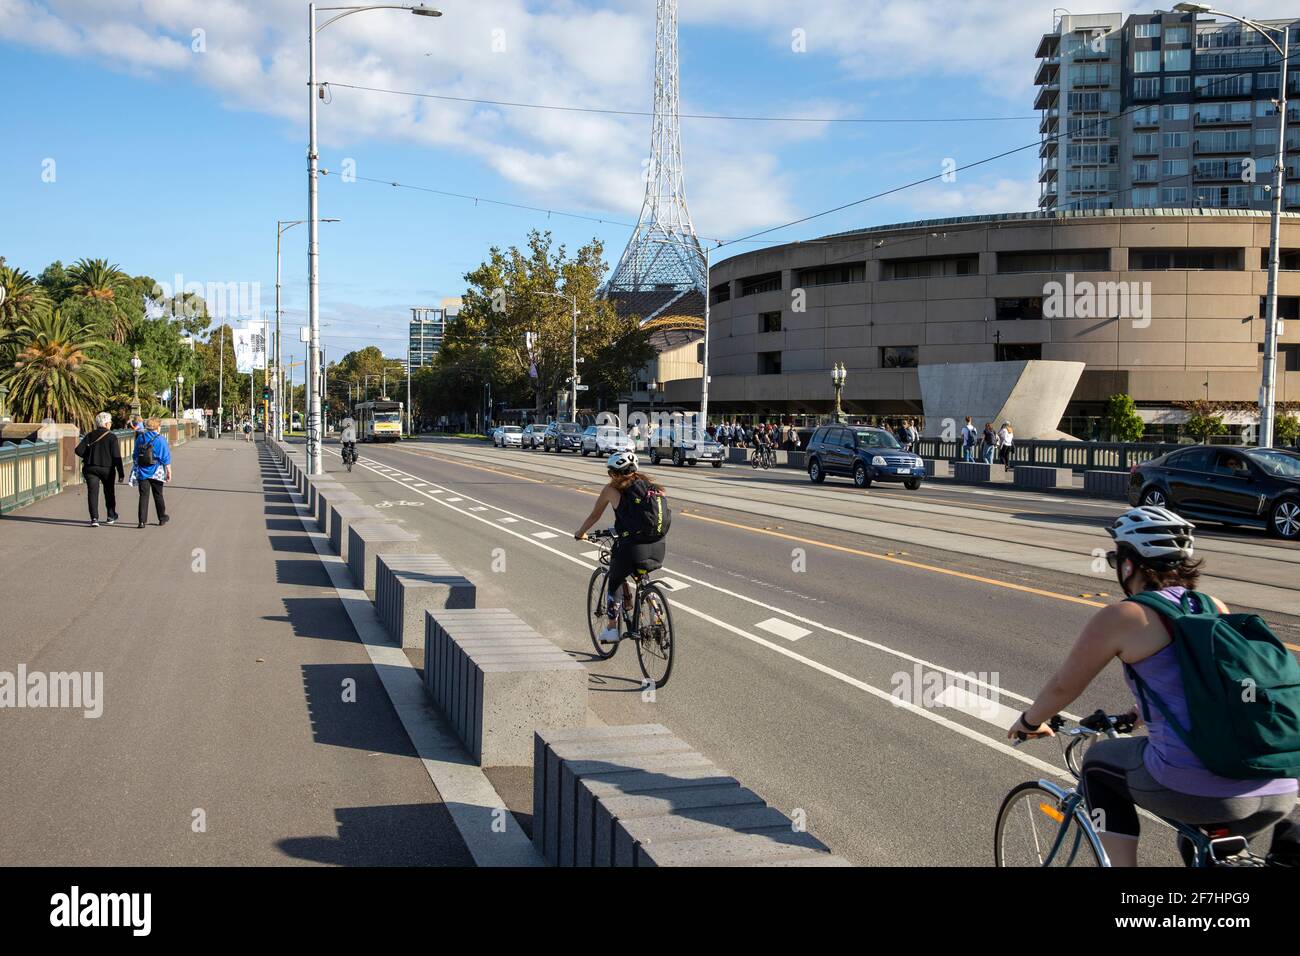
1242	687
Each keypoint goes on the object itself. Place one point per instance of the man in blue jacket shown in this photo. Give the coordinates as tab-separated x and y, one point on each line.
153	469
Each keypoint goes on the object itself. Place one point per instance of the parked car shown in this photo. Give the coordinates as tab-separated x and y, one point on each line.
562	436
531	437
684	447
866	455
605	440
508	436
1253	487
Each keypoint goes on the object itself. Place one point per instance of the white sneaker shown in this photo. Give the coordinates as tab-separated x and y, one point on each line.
611	635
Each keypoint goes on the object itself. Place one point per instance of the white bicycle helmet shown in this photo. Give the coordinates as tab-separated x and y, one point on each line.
1156	534
622	463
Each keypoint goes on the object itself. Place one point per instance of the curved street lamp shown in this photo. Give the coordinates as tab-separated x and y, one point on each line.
1268	386
135	374
313	279
839	375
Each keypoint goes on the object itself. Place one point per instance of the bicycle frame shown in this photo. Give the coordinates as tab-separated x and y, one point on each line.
1072	805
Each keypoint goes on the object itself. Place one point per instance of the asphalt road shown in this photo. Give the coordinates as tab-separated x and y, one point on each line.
794	638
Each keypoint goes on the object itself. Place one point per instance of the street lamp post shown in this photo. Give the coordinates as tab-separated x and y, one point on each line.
135	375
281	227
839	375
180	383
314	466
573	382
1268	386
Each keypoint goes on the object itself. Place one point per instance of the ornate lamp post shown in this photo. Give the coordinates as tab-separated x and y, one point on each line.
839	375
135	374
180	382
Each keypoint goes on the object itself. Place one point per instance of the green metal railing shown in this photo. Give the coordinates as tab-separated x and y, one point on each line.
28	471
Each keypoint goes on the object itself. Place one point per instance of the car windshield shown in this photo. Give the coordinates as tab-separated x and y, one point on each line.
1280	464
387	417
568	428
877	440
511	430
612	433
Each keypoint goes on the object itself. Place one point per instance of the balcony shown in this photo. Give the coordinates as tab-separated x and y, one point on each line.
1049	46
1048	148
1048	97
1048	72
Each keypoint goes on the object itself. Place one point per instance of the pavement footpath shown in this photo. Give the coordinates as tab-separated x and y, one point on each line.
228	714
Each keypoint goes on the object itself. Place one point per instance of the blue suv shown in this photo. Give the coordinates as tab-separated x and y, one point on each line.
863	454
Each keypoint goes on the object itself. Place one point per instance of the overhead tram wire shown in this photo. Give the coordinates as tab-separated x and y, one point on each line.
756	236
847	120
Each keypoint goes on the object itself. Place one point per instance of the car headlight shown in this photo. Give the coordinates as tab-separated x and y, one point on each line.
879	462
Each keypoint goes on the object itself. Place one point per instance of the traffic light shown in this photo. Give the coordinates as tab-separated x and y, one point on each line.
266	393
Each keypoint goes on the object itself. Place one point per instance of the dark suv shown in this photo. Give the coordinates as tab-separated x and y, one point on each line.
863	454
1255	487
562	436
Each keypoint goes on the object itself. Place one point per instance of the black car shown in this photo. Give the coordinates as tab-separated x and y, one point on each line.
1254	487
562	436
864	454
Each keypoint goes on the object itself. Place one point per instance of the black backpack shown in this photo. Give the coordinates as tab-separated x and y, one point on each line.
144	454
644	513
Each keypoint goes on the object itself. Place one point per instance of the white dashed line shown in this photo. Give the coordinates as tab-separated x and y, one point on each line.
791	632
544	535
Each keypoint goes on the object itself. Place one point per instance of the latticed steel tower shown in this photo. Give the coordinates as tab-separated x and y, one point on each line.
664	254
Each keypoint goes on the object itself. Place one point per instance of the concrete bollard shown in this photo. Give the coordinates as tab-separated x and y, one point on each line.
938	467
1107	484
342	516
369	539
498	680
1038	477
315	486
979	473
331	496
407	585
639	796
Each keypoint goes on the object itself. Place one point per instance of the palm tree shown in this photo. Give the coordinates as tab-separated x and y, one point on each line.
96	279
50	371
23	298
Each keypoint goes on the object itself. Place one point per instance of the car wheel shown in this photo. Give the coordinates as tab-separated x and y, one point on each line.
693	462
1155	498
585	453
678	458
815	473
654	459
1284	519
717	464
861	477
912	485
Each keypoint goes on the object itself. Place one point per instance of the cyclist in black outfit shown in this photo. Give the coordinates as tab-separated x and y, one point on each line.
640	545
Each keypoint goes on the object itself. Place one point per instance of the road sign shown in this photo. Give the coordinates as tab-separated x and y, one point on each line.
582	388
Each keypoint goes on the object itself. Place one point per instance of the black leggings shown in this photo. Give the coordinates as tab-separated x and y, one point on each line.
629	557
95	479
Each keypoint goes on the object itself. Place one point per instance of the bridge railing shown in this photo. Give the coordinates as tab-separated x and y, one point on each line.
1077	455
28	471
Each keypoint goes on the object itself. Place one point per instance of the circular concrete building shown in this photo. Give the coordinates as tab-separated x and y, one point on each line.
1164	305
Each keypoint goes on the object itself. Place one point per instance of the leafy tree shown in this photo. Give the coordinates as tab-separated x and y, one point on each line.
1203	421
98	281
24	297
1122	420
52	371
1285	430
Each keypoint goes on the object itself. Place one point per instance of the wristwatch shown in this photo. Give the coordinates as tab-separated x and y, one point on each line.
1026	724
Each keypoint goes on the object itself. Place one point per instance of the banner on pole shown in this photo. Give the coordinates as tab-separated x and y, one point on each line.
250	349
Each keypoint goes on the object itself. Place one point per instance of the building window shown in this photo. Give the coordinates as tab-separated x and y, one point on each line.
899	356
755	285
770	321
1176	112
1145	198
1178	84
720	293
1146	61
1174	196
1086	260
1174	140
833	275
1146	30
1223	84
1009	309
1288	356
1178	61
1174	167
1157	260
1177	35
932	268
1146	89
769	363
1027	352
1288	260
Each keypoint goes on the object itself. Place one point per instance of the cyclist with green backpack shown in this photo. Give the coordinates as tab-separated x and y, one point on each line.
1219	693
641	522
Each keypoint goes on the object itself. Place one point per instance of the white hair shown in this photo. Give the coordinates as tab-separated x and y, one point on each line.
103	419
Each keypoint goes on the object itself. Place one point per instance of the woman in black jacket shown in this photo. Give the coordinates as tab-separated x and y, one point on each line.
101	464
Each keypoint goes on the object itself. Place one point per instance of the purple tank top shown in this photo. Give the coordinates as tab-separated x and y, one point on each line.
1169	760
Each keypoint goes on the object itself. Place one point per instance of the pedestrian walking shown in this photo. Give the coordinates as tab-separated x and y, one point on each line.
248	431
1006	444
101	466
152	470
969	439
990	443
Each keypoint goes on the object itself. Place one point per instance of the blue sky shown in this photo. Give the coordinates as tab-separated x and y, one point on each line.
171	159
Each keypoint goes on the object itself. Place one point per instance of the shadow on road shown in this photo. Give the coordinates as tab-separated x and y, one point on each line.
416	834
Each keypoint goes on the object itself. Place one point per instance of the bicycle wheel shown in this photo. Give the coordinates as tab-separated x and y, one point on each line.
656	642
1033	830
596	614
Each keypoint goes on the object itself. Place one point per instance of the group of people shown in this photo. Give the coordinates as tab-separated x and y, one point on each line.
735	434
102	468
984	444
906	433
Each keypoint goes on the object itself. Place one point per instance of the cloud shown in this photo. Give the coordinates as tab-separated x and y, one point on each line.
977	197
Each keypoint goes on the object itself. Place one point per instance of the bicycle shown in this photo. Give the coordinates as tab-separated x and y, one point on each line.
649	623
764	457
1023	833
349	456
